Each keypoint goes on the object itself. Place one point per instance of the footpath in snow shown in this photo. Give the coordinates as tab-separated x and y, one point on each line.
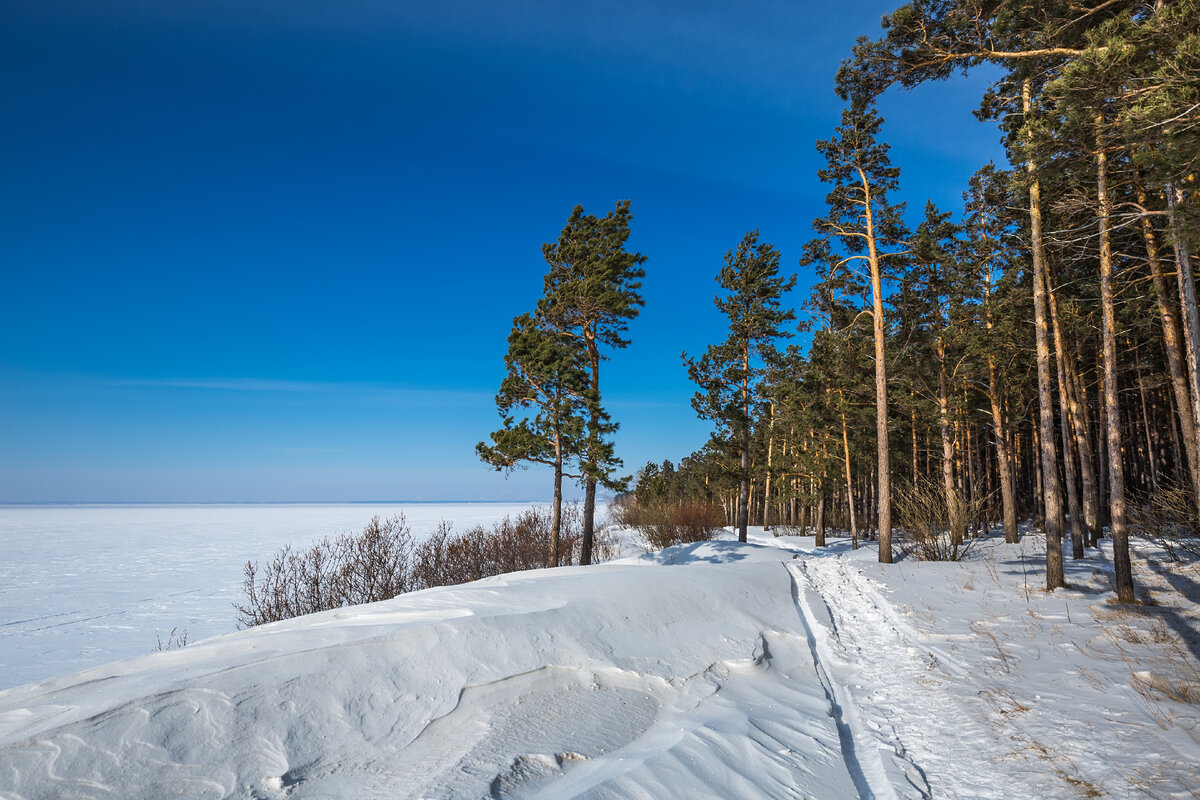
714	670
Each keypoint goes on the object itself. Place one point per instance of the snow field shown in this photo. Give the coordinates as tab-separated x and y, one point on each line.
998	689
715	670
84	585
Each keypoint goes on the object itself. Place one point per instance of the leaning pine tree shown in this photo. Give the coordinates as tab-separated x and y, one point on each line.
730	374
592	291
546	383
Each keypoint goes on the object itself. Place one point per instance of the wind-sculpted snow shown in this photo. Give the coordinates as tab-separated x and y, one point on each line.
714	670
609	681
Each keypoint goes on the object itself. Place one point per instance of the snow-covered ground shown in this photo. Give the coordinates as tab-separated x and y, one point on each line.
85	585
716	670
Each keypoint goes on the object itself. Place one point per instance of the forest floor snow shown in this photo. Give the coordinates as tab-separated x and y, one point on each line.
715	670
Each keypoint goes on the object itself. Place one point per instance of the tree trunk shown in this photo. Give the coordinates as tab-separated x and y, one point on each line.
1187	298
743	513
556	510
883	470
587	534
767	482
1065	423
1171	344
1151	456
952	505
1051	492
1003	463
819	528
849	482
1116	468
1081	423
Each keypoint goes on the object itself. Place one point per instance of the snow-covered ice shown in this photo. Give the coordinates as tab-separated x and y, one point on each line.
714	670
85	585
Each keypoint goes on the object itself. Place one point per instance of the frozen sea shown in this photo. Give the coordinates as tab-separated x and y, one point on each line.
84	585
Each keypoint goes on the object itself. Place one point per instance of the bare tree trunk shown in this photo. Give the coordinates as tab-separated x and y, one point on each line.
1187	297
1081	424
1051	492
1065	423
743	518
1151	456
849	482
589	491
1120	536
952	506
744	440
767	483
819	531
1003	463
1102	424
1171	344
556	509
883	470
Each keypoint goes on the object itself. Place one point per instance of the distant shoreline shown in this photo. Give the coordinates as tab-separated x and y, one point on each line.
133	503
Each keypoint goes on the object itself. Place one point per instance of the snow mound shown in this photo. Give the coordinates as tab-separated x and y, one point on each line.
608	681
711	670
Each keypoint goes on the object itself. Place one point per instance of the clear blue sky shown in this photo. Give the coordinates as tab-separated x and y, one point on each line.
270	251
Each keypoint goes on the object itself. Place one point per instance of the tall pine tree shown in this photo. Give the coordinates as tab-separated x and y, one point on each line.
862	227
730	374
546	385
592	291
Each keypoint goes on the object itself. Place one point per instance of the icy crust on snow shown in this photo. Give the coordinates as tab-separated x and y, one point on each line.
610	681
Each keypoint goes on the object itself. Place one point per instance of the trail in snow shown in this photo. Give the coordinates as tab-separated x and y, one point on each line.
876	776
905	683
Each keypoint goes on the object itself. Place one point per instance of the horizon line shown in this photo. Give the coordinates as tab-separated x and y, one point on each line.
250	502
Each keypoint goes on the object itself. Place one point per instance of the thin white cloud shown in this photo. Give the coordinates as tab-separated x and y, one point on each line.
225	384
364	391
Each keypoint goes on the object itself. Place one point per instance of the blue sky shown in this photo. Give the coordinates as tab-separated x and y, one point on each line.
269	251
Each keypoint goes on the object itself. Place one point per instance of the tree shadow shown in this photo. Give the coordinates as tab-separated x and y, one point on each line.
711	552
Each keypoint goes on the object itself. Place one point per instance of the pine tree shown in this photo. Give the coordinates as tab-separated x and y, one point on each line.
546	377
867	228
936	277
592	291
987	225
730	374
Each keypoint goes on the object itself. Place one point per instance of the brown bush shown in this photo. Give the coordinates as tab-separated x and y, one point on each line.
347	570
664	524
385	560
1169	519
928	517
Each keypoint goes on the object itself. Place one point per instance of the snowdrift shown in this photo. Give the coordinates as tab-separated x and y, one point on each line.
715	670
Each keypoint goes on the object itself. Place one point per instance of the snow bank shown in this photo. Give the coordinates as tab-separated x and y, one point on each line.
715	670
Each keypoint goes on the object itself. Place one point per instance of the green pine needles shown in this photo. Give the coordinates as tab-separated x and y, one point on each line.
730	374
550	399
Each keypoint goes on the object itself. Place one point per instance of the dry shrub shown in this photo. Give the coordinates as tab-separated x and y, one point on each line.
385	560
930	518
511	545
1168	518
664	524
347	570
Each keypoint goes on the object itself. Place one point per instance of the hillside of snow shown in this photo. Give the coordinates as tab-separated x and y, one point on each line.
715	670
